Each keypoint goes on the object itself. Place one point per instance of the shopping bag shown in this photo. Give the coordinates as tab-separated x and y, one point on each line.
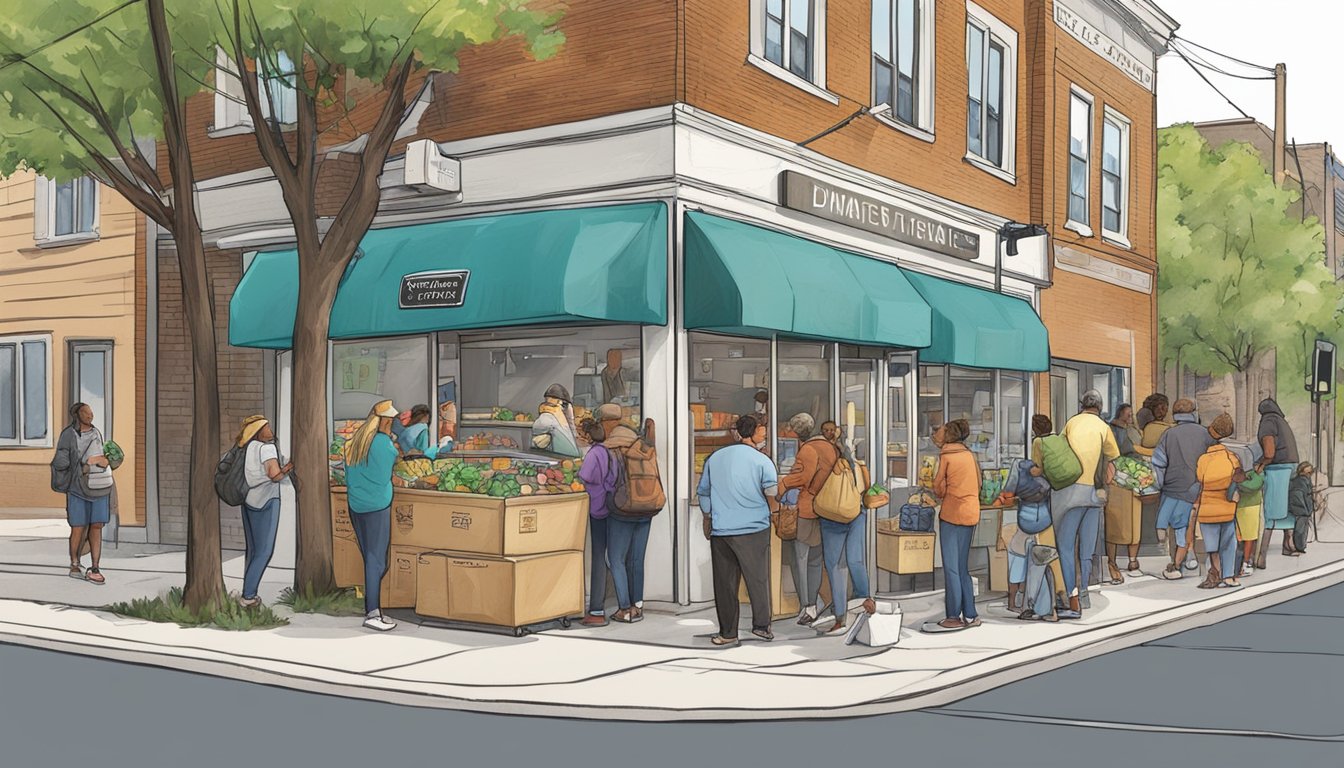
876	630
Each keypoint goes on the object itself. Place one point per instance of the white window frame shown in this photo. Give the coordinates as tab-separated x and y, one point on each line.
1006	37
1113	118
756	57
19	441
44	215
231	115
1083	228
923	126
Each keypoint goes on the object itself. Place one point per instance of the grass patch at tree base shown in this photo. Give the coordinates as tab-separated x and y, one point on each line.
340	602
170	609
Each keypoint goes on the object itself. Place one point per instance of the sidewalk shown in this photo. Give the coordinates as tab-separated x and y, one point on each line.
661	669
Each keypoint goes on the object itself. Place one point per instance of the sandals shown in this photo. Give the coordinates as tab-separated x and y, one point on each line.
627	616
1116	576
764	634
941	627
94	576
725	642
1134	566
76	572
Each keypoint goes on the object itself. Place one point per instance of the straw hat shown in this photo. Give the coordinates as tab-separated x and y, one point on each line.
385	409
251	426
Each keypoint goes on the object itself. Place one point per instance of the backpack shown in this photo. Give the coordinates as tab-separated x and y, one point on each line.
917	518
840	499
1060	464
639	487
230	480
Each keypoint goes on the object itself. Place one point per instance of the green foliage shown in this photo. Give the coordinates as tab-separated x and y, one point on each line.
1238	274
109	59
169	609
342	602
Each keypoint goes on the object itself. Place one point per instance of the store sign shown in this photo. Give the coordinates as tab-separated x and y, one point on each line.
1101	44
433	290
809	195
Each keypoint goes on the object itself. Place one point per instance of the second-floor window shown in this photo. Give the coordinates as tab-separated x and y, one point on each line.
902	56
1114	175
230	109
65	211
790	35
1080	154
991	68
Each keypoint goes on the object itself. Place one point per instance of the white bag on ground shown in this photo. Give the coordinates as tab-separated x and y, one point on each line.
876	630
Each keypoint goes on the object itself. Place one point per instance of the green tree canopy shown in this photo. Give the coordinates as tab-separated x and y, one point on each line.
1238	275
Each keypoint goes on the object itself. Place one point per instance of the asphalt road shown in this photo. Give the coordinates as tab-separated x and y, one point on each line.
1262	689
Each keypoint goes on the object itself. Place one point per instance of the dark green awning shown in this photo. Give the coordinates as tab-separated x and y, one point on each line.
747	280
578	265
976	328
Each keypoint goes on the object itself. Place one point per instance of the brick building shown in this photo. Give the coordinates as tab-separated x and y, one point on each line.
810	196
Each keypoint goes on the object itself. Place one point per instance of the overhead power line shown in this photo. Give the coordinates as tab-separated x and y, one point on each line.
16	58
1205	78
1195	58
1243	62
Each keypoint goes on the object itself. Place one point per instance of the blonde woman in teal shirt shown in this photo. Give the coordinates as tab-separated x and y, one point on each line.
369	456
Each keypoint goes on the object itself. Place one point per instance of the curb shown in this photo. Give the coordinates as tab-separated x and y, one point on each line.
941	689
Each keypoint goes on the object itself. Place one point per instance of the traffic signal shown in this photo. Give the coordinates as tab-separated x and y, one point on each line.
1322	369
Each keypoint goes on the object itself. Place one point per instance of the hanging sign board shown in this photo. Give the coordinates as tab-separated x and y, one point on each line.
434	290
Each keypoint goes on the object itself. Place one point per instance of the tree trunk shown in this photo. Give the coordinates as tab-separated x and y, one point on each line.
205	575
310	430
1245	418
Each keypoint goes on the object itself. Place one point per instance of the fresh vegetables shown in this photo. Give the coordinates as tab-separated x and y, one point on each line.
1134	474
497	476
112	451
875	490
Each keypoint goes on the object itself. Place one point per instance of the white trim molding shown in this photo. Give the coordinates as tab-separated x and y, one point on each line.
1083	263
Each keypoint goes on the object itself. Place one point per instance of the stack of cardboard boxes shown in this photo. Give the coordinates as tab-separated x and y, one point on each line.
506	562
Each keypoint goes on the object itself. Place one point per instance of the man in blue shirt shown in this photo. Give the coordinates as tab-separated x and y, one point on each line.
736	489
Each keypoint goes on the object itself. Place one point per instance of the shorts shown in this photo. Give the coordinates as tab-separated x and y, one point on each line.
81	512
1017	568
1174	513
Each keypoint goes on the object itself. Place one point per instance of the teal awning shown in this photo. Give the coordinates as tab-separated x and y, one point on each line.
976	328
747	280
579	265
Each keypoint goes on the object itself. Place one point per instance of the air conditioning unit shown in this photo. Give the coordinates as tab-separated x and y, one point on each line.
427	167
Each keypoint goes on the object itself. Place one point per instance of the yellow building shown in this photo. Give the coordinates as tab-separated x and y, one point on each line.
71	301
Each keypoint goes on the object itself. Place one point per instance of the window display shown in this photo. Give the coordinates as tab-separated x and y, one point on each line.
898	424
804	387
1015	423
729	377
365	372
970	396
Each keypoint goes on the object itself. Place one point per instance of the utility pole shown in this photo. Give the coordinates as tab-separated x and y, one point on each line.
1280	123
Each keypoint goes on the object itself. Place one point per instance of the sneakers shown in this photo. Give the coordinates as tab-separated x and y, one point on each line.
246	602
376	622
1247	570
1172	573
1191	563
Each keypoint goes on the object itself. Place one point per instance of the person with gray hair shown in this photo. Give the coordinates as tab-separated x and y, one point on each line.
1077	509
816	458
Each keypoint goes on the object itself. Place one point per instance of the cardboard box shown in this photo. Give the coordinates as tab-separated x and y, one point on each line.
905	552
500	591
347	563
467	522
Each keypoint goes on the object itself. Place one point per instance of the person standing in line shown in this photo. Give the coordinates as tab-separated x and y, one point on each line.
1218	471
957	486
815	460
1152	422
1302	505
736	486
369	456
598	474
1127	437
627	535
1175	461
1280	458
1250	514
846	540
1077	508
261	509
81	472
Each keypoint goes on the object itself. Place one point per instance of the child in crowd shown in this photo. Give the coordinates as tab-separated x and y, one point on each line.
1302	504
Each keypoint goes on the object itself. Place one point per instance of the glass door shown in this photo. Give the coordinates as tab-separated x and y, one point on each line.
858	410
91	380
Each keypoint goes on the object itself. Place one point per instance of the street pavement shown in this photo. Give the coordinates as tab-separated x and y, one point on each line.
1261	689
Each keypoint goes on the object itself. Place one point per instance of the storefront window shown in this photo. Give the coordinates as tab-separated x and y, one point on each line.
502	377
898	424
1069	380
804	387
729	377
1015	423
365	372
970	396
446	393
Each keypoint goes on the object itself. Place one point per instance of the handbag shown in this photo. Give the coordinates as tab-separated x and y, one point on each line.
96	478
785	521
840	499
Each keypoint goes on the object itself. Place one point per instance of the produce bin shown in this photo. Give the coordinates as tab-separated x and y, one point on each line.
500	591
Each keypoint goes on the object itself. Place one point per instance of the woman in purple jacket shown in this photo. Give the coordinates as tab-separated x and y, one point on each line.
598	475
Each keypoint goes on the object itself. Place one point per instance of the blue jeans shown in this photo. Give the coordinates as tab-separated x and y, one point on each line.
626	541
597	570
259	529
1077	529
1221	538
373	531
958	593
845	539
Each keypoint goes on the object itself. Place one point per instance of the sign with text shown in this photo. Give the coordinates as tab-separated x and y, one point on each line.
434	290
809	195
1103	45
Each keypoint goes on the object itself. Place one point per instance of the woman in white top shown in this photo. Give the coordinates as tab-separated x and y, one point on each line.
261	509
